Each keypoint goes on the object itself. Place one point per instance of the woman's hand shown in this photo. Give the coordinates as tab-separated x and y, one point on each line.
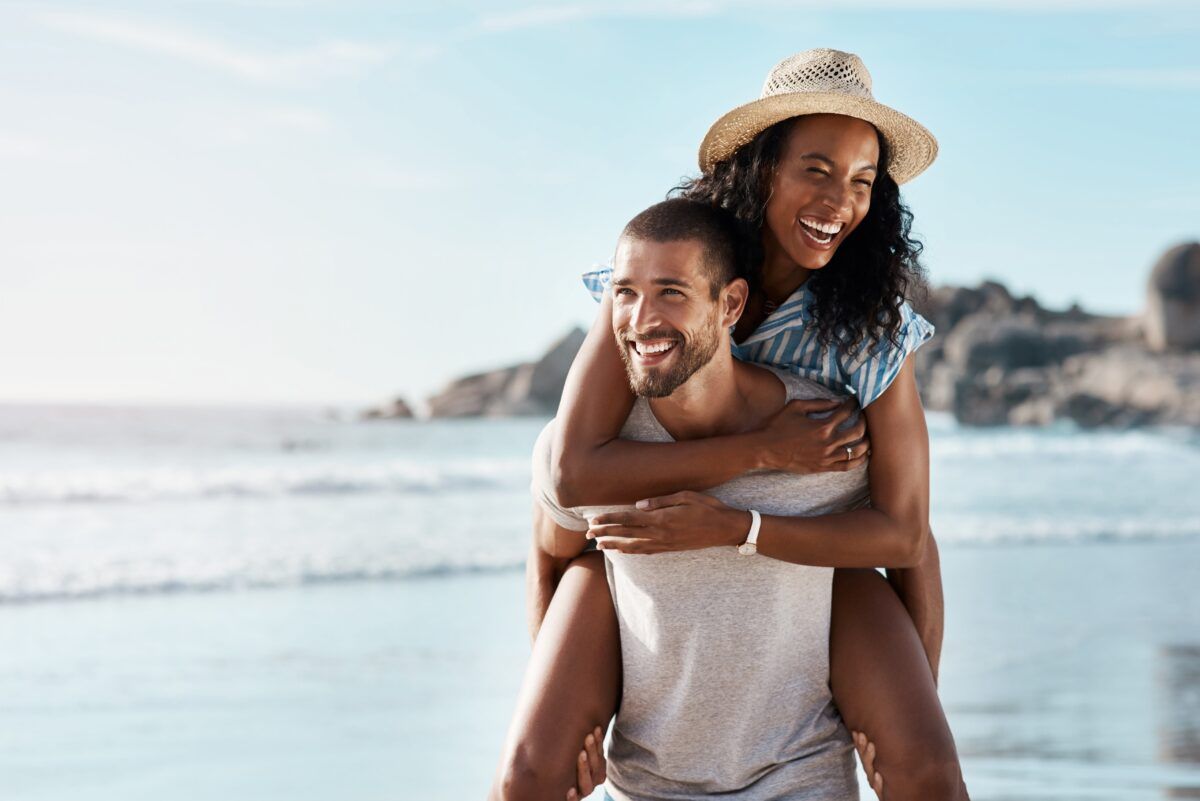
681	522
590	766
798	443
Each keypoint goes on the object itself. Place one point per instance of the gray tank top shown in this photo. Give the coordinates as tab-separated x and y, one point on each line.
725	656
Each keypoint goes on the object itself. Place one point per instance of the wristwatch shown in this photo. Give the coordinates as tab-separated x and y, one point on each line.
750	546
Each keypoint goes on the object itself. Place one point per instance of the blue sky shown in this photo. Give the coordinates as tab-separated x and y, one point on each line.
342	201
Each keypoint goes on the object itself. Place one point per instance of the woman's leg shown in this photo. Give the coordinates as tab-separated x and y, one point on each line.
883	686
572	684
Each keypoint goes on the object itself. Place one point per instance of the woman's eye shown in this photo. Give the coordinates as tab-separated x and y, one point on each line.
817	171
864	183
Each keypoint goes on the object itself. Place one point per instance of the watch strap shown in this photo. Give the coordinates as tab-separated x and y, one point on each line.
750	546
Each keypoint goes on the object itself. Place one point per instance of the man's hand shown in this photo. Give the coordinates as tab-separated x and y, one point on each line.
866	753
684	521
590	766
798	443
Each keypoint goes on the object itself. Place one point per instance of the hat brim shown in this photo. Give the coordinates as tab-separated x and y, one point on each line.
912	147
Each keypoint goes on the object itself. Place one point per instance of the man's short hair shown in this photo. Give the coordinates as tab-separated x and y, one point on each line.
679	219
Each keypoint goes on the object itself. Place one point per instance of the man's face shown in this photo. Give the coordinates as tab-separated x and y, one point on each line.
666	322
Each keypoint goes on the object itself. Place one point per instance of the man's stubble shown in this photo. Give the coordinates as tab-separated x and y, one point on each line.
691	356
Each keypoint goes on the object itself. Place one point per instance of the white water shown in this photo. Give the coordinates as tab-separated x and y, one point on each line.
110	500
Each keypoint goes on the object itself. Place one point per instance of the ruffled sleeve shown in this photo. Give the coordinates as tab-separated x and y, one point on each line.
596	281
872	370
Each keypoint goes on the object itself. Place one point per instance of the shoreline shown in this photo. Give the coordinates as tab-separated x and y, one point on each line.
1065	666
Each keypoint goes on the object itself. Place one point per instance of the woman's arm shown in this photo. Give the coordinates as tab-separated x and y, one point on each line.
892	532
592	466
920	589
899	419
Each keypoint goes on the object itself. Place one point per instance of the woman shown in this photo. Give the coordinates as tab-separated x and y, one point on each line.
811	171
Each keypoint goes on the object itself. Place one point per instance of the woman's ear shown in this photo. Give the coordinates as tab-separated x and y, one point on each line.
733	301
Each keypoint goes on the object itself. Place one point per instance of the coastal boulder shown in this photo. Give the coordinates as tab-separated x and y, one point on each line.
946	306
992	397
981	341
1149	387
532	388
1172	316
396	409
549	373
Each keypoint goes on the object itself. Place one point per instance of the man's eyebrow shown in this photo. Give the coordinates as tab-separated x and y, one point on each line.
822	157
659	281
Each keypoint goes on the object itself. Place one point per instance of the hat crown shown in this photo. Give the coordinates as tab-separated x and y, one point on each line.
819	70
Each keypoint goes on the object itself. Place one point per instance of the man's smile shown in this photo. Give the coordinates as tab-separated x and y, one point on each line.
652	351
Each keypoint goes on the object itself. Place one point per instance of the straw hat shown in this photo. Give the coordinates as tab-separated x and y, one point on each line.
821	81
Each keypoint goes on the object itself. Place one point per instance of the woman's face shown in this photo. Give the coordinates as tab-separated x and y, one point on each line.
821	189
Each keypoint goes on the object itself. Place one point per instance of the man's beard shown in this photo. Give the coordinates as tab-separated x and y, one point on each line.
659	382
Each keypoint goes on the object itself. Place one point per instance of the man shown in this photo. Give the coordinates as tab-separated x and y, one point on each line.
725	652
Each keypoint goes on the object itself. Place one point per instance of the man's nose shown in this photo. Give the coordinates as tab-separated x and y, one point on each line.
645	315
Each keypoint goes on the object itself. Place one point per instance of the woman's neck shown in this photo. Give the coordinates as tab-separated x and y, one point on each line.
781	276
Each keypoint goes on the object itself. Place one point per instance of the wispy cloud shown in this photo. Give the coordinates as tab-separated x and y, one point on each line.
336	57
547	15
541	16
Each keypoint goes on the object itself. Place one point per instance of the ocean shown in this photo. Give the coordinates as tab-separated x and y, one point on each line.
202	603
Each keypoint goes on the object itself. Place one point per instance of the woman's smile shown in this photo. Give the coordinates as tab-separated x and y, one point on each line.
817	233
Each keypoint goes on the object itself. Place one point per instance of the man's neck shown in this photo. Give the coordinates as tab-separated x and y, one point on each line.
723	397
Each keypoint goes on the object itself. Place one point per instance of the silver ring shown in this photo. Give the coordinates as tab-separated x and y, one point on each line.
848	453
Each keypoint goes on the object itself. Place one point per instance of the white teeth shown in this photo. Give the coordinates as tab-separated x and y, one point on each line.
823	227
659	347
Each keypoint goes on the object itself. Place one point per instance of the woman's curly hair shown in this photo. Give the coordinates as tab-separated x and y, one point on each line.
857	296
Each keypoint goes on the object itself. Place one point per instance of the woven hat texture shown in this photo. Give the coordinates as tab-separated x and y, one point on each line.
821	81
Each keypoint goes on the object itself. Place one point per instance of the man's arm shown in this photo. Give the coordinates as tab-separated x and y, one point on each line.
551	550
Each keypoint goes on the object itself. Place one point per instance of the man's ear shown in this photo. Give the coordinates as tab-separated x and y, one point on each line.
733	301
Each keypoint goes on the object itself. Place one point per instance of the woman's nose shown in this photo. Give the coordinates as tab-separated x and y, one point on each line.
838	198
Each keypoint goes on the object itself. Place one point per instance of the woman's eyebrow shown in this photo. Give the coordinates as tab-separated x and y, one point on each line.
822	157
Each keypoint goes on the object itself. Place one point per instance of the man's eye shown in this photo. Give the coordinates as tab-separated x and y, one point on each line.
817	171
676	291
624	290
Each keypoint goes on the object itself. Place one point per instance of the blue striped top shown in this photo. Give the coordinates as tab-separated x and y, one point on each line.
787	340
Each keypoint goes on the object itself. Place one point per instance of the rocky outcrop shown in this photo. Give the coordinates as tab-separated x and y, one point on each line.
1172	315
996	359
533	388
1001	360
396	409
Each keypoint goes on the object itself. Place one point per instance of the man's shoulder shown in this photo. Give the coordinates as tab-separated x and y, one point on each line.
798	387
